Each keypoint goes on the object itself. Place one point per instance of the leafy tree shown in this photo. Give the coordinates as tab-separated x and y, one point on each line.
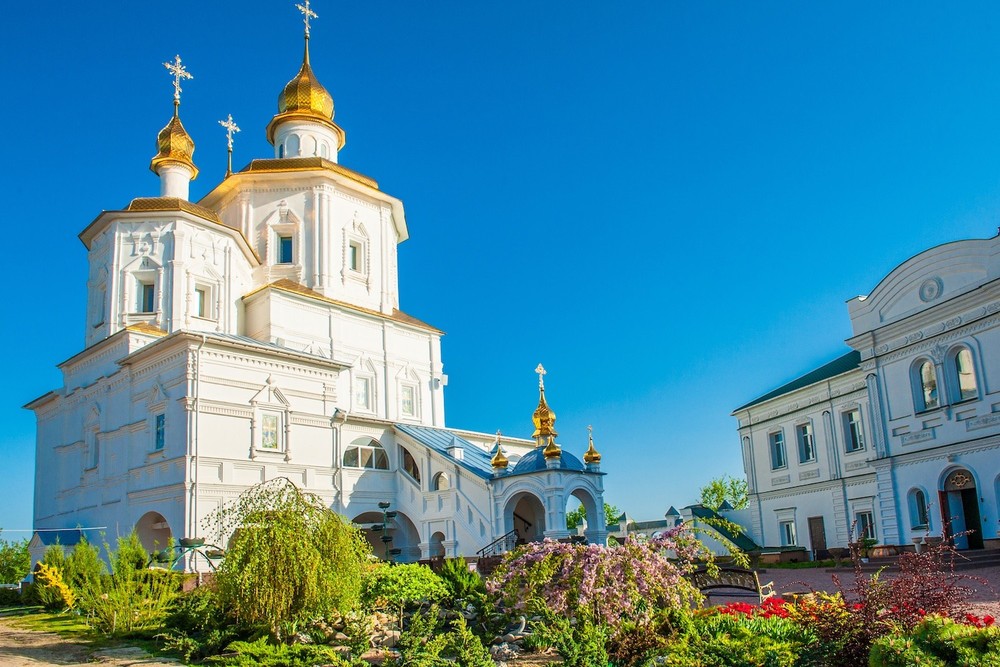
15	561
400	586
83	567
725	488
575	517
290	558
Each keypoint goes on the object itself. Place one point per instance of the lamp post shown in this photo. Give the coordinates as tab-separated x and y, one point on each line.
383	528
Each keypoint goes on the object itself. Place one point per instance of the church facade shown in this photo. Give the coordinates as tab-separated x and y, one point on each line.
257	334
899	438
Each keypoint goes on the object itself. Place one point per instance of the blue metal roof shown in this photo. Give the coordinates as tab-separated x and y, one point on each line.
534	461
440	440
68	537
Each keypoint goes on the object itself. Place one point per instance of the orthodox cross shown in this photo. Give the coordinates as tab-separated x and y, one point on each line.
498	437
231	129
590	431
306	14
177	70
541	376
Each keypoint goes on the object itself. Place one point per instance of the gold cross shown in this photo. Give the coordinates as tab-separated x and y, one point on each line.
177	70
306	14
541	376
498	437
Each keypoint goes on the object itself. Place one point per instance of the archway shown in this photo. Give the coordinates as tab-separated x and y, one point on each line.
525	513
153	531
595	516
960	509
436	549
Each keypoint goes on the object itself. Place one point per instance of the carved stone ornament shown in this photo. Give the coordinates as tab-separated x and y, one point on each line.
958	480
931	289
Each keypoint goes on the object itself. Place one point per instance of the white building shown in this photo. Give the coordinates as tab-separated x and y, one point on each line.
257	334
900	437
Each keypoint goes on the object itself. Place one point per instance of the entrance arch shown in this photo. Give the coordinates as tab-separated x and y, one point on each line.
960	509
153	531
595	515
525	513
436	548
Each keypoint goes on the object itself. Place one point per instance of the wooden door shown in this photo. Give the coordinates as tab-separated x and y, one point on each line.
817	537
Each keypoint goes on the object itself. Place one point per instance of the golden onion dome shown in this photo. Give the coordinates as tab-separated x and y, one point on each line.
499	460
304	97
544	418
174	145
592	456
552	450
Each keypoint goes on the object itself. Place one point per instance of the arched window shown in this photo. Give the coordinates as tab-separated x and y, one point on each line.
918	509
925	386
964	374
442	482
366	453
410	464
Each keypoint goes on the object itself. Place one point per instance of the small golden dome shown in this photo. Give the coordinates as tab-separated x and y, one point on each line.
591	456
499	460
304	94
552	450
175	145
304	97
543	417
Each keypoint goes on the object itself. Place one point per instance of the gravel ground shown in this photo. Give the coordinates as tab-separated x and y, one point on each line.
31	648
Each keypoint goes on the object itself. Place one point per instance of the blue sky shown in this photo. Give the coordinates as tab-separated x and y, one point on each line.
666	203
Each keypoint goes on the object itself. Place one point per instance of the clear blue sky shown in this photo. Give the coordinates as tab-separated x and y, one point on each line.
666	203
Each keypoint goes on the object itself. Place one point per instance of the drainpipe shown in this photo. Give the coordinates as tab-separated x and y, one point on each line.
338	434
197	409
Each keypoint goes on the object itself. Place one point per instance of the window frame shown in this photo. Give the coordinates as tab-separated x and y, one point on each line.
916	499
787	533
954	374
414	400
284	240
159	431
277	418
926	391
854	438
805	429
147	297
775	443
361	446
368	381
408	464
865	527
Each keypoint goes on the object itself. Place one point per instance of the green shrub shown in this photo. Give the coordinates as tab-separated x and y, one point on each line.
128	600
196	625
721	640
40	593
938	641
10	597
84	566
262	653
580	644
426	644
398	587
462	582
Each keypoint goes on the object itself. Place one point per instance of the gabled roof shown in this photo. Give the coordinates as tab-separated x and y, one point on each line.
68	537
838	366
474	459
741	540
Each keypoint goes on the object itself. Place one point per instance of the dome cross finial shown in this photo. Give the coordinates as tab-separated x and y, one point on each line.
541	376
307	14
178	71
231	129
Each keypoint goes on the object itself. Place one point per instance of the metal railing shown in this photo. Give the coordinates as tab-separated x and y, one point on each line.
499	546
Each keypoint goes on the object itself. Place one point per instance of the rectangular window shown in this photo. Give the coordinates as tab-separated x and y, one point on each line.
409	401
807	445
864	524
160	436
362	393
269	432
284	250
355	256
854	438
777	441
787	530
201	302
147	298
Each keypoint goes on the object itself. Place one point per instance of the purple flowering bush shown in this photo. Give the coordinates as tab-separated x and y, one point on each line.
607	586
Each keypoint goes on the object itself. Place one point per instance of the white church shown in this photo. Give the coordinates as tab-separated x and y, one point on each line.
899	438
257	334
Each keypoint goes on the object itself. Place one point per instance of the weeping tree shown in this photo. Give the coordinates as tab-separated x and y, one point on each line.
289	558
